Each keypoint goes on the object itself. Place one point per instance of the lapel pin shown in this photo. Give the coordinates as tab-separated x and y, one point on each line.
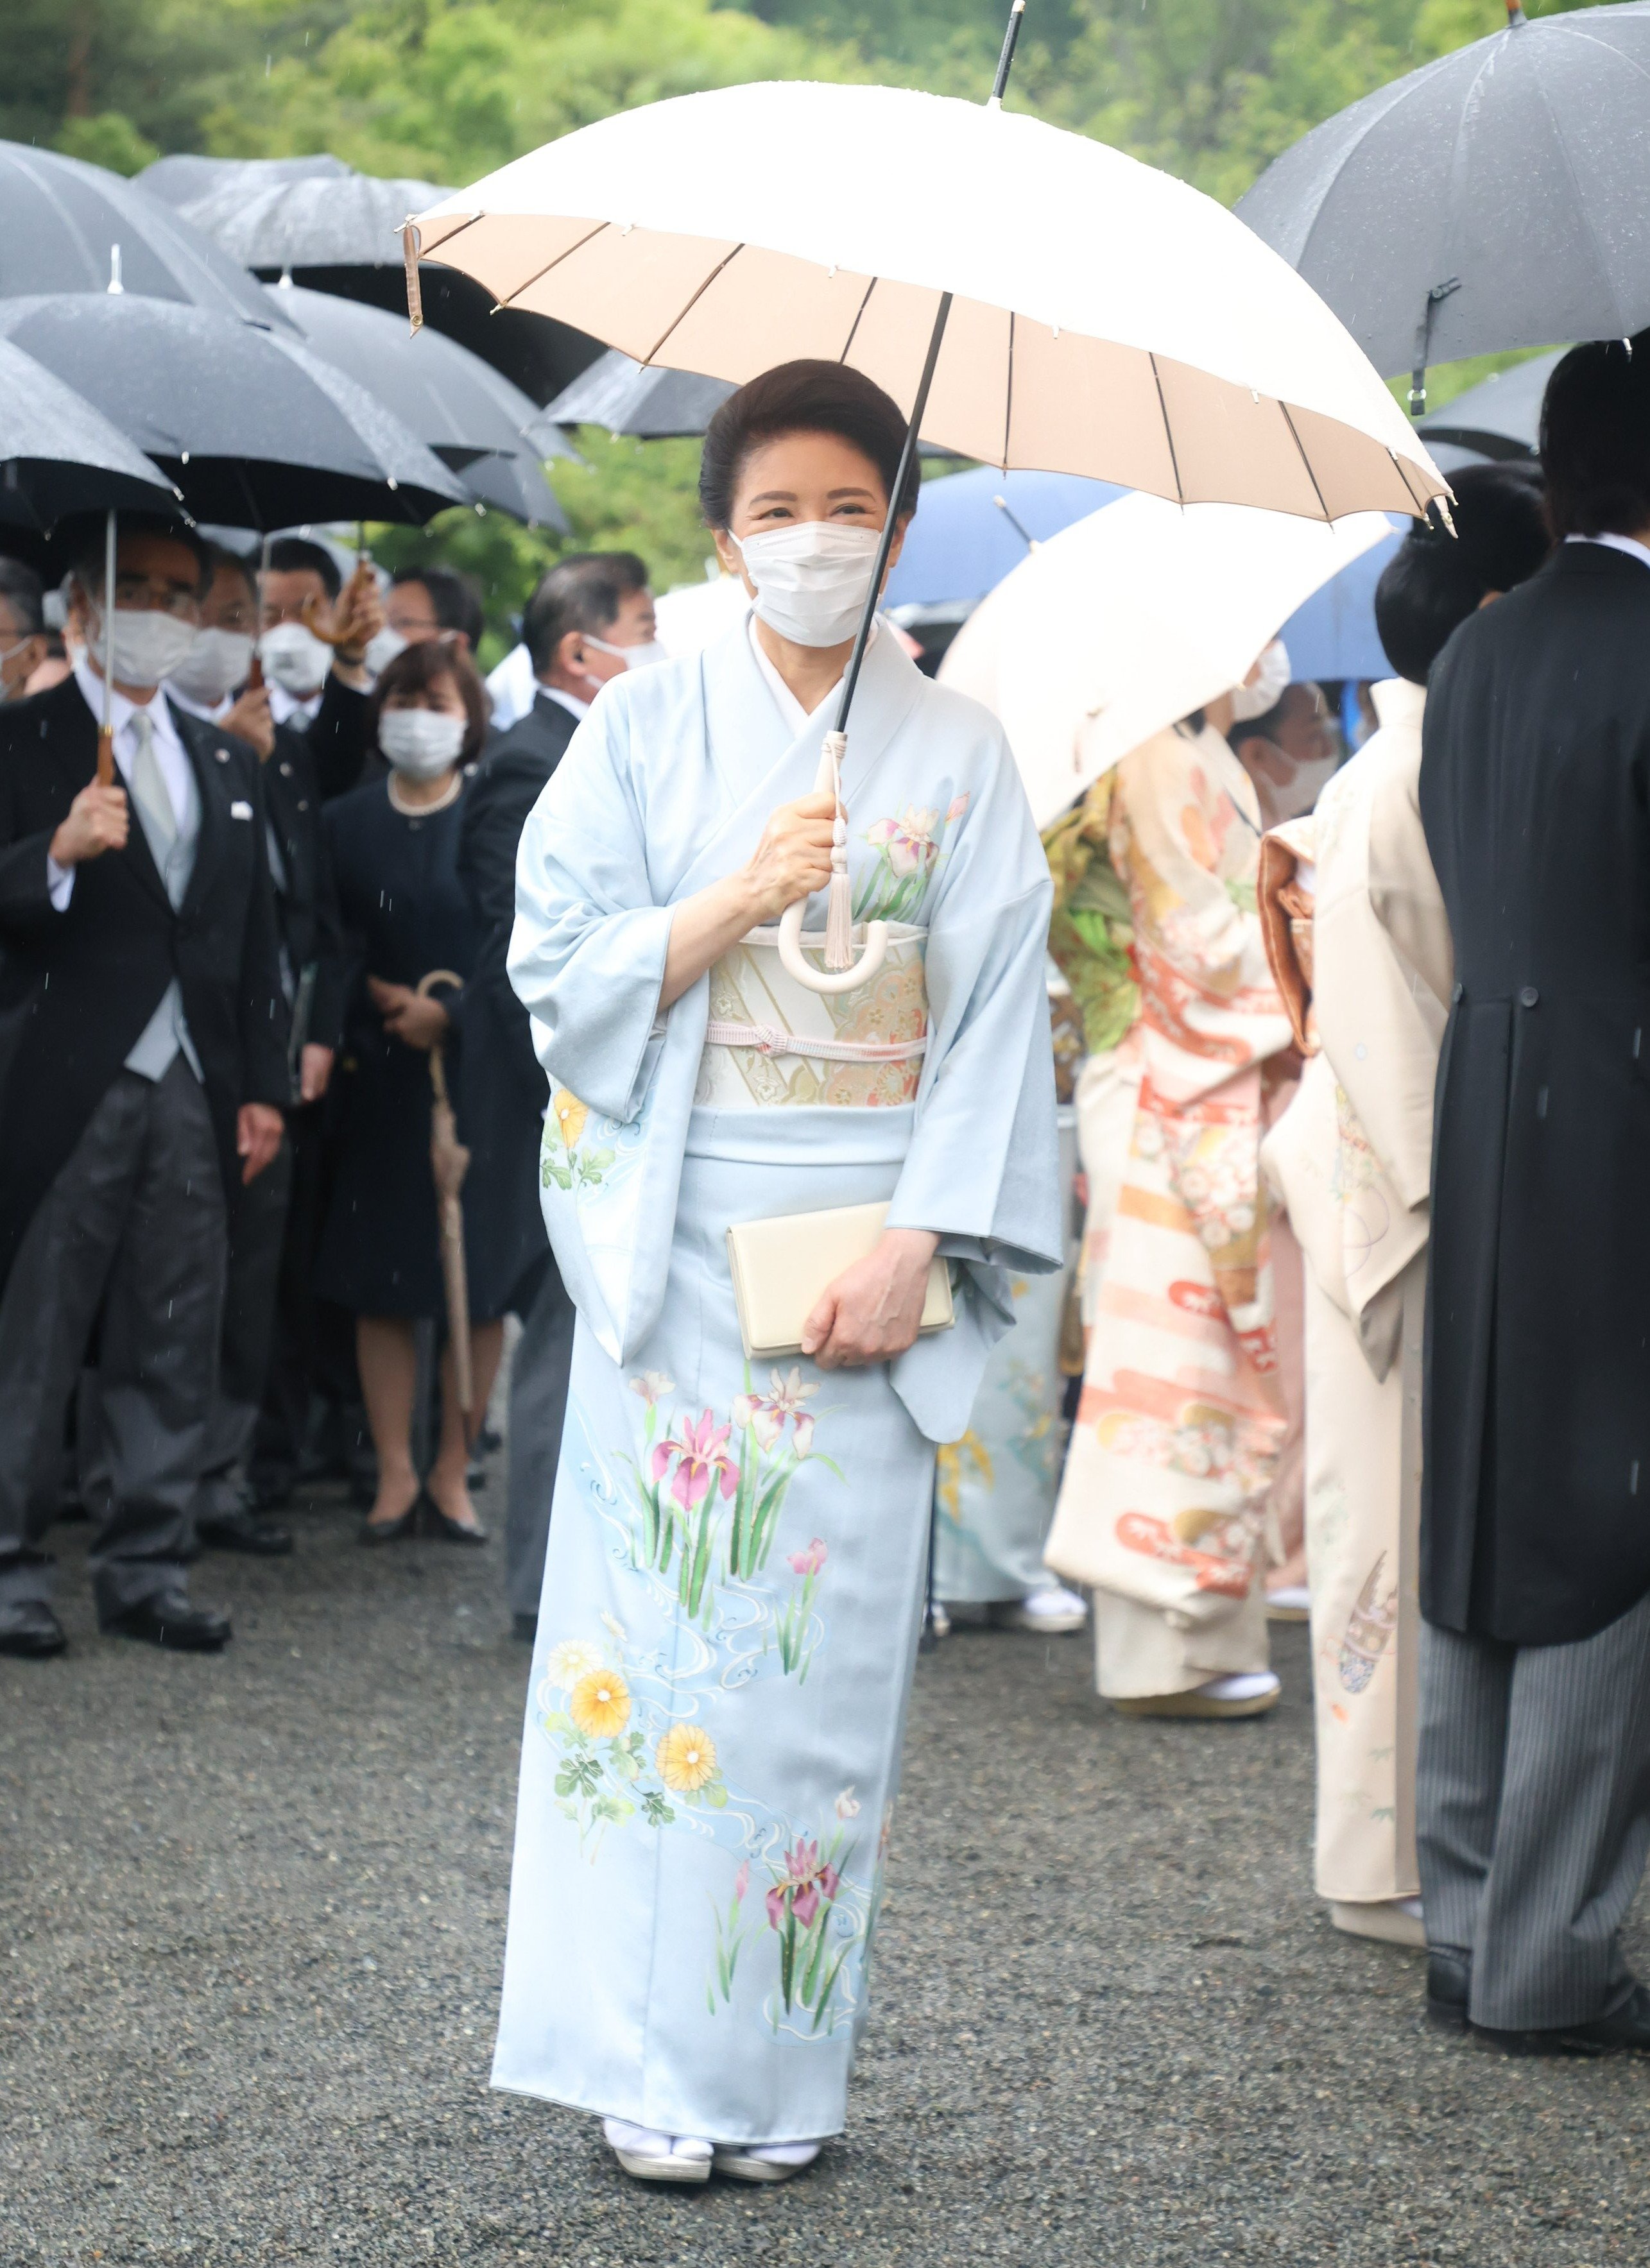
221	754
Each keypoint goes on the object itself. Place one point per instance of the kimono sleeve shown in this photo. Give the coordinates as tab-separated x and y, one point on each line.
1175	811
983	1168
587	952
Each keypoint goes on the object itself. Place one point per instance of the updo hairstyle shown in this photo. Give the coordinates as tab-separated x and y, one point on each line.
804	397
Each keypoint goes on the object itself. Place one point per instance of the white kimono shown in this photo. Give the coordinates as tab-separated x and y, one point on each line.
733	1586
1352	1160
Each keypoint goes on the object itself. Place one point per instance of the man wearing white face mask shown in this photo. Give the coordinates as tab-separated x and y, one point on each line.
268	1326
22	628
315	687
142	1082
590	620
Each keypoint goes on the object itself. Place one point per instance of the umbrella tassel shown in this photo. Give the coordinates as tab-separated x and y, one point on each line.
839	913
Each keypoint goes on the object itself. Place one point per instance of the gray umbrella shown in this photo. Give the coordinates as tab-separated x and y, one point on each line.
635	398
1499	197
67	226
1501	417
59	455
339	232
253	428
483	428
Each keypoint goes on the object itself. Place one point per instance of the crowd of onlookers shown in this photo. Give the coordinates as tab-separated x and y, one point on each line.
237	980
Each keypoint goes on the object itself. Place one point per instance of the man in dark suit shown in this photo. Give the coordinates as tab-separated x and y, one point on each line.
142	1076
583	624
274	1221
1533	1795
317	689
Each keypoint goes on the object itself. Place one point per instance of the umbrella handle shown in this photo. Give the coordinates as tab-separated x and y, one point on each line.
839	924
426	984
306	612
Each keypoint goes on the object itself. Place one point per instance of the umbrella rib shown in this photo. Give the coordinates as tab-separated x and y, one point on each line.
1307	462
682	314
1008	392
1425	503
1180	493
853	328
508	298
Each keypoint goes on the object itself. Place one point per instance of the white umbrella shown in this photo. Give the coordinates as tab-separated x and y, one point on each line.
1133	617
1106	319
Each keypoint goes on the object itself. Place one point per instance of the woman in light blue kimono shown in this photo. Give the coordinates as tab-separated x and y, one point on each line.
733	1586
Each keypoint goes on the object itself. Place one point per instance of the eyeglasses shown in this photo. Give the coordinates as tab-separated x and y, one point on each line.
142	595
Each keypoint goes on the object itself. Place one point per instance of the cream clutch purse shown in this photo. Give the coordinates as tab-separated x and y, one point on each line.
781	1266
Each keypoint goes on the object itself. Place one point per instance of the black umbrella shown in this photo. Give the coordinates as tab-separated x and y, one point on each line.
66	226
481	426
1499	197
635	398
339	232
1501	417
59	455
253	428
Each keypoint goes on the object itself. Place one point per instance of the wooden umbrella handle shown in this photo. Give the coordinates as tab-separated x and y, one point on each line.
106	755
311	605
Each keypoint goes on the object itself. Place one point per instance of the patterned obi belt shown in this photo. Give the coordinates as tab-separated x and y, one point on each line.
771	1042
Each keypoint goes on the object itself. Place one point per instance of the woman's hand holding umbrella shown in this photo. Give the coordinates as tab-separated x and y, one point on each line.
415	1019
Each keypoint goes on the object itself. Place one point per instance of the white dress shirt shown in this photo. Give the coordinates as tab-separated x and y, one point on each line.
1629	544
285	708
168	750
576	708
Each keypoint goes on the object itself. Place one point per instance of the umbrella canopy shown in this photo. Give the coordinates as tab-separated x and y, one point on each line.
1332	634
336	231
961	543
59	455
483	428
1131	618
1499	197
651	404
1501	416
1178	355
68	226
253	428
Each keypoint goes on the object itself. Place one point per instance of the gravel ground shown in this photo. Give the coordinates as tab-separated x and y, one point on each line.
253	1913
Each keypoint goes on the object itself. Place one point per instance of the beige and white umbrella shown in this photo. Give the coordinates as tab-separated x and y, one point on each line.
1133	617
1106	319
1030	298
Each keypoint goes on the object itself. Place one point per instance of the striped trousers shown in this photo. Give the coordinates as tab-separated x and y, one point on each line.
1533	1814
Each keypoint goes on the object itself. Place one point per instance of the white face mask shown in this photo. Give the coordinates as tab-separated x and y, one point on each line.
1270	684
148	644
811	579
214	665
296	659
633	656
381	648
421	742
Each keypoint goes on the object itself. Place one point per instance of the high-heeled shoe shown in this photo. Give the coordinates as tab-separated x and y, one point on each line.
390	1531
439	1523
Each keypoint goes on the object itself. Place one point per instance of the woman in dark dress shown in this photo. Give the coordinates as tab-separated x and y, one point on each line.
394	850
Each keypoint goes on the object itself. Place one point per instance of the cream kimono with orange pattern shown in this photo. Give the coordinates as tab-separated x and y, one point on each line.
1163	1505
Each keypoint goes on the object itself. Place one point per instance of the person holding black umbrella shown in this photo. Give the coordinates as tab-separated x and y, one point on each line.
318	685
1533	1789
143	1080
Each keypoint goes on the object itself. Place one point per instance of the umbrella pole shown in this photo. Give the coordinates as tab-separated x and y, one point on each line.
255	675
839	950
106	729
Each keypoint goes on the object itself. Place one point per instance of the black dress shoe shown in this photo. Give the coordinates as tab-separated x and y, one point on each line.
1448	1987
31	1630
1627	2026
438	1522
244	1531
172	1622
391	1531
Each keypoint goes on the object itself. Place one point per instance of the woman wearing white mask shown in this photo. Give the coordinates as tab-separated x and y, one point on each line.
394	850
733	1584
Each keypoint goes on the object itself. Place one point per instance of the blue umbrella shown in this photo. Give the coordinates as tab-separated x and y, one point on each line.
961	544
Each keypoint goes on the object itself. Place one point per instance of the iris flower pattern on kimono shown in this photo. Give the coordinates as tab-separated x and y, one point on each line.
733	1588
1163	1500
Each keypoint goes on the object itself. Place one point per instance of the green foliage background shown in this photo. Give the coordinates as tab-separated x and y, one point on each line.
446	89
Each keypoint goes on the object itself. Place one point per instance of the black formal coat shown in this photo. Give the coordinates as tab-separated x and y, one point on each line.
405	913
78	987
504	1090
1535	793
338	740
307	896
